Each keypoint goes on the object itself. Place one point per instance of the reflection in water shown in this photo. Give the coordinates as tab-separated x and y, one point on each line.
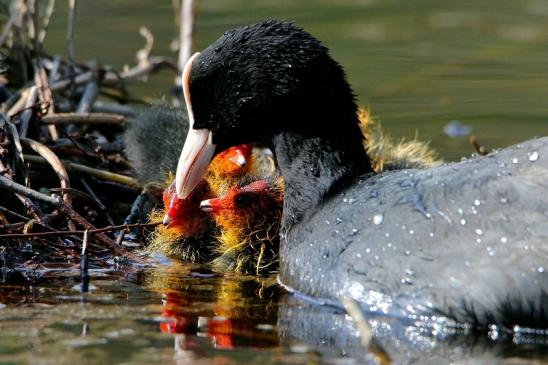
181	313
233	311
335	335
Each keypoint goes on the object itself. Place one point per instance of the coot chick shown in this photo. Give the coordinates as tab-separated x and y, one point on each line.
249	218
154	138
186	233
464	241
388	155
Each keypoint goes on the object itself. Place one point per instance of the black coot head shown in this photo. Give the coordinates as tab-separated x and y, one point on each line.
258	80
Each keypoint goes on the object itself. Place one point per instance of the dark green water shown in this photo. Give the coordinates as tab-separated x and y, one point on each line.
418	64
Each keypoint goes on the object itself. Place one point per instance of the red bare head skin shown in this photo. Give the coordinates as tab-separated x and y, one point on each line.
184	215
232	162
240	205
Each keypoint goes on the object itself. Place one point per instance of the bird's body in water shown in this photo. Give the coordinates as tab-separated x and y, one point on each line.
462	242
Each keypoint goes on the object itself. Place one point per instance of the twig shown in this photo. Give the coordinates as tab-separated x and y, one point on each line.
70	43
9	25
143	54
19	105
68	211
27	113
84	265
90	94
97	201
482	150
30	193
78	233
102	174
112	108
112	78
70	30
54	161
134	213
83	118
353	309
41	80
186	27
56	165
6	210
45	23
55	63
20	168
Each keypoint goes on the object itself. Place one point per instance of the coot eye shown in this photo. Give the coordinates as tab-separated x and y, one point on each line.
245	200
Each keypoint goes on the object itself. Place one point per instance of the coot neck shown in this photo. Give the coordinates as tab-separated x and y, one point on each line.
316	166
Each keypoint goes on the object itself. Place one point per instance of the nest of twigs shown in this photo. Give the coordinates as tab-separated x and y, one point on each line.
62	166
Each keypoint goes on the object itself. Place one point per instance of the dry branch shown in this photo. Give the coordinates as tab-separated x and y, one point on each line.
78	233
102	174
83	118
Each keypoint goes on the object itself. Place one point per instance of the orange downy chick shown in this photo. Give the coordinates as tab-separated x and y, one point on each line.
249	219
187	232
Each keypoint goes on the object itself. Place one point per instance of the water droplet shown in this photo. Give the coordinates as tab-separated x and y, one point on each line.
409	272
338	220
431	234
460	211
345	200
515	160
403	227
406	281
479	232
407	253
463	221
540	269
411	231
359	255
378	218
533	156
327	222
367	250
504	200
503	239
478	240
477	203
354	231
387	234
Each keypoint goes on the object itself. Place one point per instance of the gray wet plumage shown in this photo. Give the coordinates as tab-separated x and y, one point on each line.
465	241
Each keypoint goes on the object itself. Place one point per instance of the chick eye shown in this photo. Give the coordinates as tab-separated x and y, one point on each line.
244	200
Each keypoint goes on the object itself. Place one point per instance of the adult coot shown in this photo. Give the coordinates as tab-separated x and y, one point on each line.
465	241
